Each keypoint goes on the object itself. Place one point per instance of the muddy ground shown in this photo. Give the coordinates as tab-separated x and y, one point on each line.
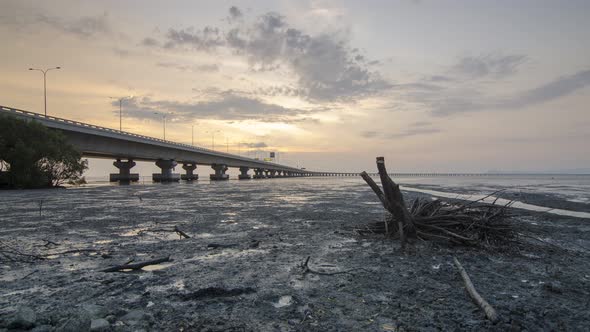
254	282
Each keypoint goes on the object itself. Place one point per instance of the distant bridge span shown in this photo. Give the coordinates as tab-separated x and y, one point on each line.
126	148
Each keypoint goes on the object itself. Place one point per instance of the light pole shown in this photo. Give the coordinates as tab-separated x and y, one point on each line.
213	137
45	83
193	134
164	117
121	109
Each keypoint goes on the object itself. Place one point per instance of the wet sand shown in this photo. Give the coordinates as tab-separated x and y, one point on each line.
256	283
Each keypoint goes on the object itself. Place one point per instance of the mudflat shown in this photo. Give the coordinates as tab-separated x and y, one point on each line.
240	268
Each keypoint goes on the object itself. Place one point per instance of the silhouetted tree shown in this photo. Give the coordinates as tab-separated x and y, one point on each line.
36	156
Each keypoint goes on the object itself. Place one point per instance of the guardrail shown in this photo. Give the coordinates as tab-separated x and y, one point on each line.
128	134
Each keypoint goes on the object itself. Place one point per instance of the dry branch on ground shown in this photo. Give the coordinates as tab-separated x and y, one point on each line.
137	266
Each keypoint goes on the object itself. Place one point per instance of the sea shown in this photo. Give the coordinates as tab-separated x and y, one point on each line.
567	195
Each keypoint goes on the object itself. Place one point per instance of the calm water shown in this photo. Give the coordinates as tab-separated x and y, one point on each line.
301	193
573	188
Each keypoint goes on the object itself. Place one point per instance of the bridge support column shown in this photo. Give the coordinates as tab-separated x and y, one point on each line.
244	173
279	174
272	173
266	173
259	173
166	176
219	172
124	175
189	176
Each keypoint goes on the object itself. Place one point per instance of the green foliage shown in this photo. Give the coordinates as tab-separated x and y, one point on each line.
34	156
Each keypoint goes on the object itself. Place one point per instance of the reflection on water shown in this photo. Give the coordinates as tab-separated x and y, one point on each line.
257	203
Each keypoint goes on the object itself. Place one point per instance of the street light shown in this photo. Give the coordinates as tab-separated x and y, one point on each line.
213	137
164	117
45	83
121	109
193	134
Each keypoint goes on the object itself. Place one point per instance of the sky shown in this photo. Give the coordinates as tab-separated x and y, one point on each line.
441	86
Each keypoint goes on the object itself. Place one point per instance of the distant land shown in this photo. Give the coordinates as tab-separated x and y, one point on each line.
554	171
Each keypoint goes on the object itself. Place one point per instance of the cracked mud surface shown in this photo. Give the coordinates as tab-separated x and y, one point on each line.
256	284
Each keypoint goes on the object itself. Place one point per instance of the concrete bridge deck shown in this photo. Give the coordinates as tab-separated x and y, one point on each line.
126	148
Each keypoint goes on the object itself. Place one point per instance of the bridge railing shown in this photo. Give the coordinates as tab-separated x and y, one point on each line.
124	133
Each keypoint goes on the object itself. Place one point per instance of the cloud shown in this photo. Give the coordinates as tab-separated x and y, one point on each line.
206	39
213	67
369	134
413	132
83	27
326	67
439	78
235	13
555	89
256	145
149	41
560	87
414	129
489	65
228	106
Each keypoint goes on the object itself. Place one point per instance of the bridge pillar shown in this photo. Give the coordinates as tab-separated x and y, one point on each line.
219	172
272	173
279	174
124	175
259	173
189	176
166	175
244	173
266	173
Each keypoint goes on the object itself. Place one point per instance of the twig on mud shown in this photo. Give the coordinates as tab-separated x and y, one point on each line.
480	301
306	269
219	245
40	202
137	266
181	233
29	274
174	230
12	253
50	242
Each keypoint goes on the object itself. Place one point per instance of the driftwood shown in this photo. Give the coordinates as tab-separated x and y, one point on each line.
174	230
471	223
222	246
181	233
137	266
306	269
480	301
11	252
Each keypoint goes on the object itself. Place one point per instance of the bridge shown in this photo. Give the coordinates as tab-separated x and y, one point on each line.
126	148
